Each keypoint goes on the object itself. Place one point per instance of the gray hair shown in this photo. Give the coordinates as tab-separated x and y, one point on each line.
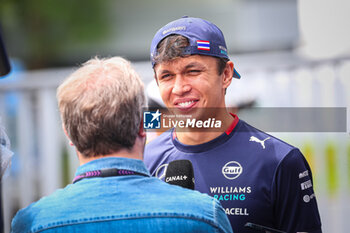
101	106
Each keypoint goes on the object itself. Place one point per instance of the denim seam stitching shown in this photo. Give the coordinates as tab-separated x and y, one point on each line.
122	217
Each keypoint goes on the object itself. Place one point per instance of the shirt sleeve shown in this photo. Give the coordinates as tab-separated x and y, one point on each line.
295	206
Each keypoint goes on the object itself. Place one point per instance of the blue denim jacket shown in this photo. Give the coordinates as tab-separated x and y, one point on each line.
132	203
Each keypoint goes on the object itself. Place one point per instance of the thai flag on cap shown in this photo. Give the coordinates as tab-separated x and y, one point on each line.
203	45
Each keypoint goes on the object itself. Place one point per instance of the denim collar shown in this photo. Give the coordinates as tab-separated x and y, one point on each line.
113	162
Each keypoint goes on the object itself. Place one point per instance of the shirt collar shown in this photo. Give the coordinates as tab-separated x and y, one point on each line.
113	162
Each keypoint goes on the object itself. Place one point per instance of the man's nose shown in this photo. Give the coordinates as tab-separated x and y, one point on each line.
181	86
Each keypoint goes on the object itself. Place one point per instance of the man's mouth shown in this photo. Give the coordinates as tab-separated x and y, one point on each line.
185	104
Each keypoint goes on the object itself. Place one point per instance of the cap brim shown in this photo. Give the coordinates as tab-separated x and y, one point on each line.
236	74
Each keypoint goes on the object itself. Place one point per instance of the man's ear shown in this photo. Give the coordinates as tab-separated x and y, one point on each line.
142	132
66	133
227	74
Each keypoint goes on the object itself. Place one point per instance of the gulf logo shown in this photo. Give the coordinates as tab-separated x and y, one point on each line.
232	170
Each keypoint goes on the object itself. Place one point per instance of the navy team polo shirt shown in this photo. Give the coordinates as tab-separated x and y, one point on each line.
256	177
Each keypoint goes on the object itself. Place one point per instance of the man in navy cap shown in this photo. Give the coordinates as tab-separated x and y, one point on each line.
257	177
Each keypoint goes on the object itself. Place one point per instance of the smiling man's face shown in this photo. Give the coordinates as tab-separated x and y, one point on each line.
189	84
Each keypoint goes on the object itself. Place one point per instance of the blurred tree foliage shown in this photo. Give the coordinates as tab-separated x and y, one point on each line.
41	32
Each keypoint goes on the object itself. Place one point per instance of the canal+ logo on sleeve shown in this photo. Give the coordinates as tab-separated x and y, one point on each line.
151	119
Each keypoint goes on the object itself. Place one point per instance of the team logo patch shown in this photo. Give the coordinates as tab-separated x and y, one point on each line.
151	120
303	174
262	142
307	198
203	45
306	185
174	29
223	50
232	170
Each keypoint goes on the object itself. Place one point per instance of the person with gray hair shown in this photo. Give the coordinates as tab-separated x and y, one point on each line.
101	110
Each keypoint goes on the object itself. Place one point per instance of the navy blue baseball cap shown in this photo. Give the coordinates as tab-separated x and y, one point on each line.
205	38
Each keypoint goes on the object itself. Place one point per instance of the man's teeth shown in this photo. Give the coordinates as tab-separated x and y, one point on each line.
185	104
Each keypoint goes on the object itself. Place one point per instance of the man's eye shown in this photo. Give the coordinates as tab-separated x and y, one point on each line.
164	76
194	71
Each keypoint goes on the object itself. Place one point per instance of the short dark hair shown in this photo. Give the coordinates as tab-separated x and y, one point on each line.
172	47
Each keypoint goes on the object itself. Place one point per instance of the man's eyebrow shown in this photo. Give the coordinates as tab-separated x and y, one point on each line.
164	71
188	66
194	64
